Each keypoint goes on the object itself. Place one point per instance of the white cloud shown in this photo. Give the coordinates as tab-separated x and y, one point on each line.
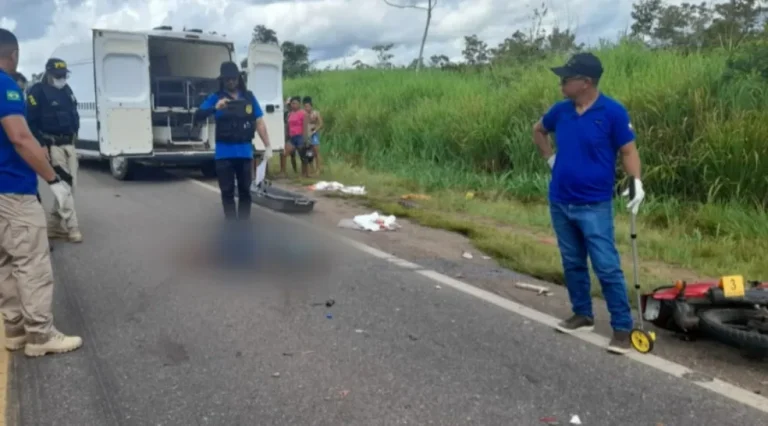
337	31
7	23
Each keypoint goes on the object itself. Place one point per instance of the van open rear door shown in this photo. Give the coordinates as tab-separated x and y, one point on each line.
265	80
123	100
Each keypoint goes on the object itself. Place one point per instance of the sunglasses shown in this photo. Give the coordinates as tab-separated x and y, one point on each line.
566	80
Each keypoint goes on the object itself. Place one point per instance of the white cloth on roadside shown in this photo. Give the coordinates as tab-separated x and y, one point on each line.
374	222
337	186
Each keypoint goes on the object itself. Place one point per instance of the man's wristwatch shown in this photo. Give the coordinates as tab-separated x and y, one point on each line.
56	179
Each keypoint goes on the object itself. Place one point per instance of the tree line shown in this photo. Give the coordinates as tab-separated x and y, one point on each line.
738	26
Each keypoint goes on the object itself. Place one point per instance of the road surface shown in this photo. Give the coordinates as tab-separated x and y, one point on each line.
169	345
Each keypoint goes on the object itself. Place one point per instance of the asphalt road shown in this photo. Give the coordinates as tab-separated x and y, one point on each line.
171	341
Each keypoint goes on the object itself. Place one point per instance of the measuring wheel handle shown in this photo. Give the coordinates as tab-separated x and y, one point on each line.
642	340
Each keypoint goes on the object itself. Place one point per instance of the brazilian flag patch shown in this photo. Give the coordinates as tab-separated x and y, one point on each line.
13	95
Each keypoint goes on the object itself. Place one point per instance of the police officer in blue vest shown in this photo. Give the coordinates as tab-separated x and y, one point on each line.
53	119
238	118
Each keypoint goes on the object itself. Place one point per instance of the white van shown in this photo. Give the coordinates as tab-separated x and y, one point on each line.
137	93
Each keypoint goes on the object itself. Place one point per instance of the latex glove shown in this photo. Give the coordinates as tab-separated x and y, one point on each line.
634	204
268	153
551	161
63	195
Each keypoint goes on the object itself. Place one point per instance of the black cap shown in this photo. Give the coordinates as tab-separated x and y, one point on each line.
19	77
581	64
229	70
56	67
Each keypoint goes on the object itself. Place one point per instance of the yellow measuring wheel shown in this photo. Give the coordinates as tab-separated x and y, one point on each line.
641	339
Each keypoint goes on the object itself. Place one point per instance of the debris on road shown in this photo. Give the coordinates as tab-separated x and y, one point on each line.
302	353
275	375
343	393
329	315
374	222
359	330
486	257
467	255
336	186
438	287
549	420
370	222
539	289
575	420
328	303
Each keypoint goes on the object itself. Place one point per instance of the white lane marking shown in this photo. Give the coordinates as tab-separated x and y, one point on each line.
717	386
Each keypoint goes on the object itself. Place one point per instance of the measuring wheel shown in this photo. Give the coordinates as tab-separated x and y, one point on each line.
642	340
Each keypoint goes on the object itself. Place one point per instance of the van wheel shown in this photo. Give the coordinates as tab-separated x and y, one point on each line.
121	168
208	169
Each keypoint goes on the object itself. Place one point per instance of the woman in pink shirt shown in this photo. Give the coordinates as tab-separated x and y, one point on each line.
298	134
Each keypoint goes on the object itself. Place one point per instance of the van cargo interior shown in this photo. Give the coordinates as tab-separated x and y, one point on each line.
182	73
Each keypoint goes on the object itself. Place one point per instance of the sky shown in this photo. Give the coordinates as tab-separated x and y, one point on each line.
338	32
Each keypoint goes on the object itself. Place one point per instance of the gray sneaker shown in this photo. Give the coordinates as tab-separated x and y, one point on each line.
575	324
620	343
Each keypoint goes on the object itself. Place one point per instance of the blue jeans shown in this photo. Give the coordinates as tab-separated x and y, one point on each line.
587	229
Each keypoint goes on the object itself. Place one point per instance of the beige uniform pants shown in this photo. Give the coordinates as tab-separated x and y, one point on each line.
65	157
26	276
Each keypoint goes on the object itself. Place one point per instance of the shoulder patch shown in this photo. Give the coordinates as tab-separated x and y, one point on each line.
249	109
31	99
13	95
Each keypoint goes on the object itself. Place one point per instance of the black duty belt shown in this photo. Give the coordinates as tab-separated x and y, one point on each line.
59	140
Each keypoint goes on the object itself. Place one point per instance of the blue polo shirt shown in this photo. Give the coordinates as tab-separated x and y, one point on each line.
232	150
587	149
16	177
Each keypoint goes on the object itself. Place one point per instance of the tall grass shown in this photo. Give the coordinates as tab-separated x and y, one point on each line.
702	139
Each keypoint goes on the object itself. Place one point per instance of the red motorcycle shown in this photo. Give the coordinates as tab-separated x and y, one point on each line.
729	310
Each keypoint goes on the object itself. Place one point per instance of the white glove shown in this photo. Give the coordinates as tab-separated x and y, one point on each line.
551	161
268	153
634	204
63	195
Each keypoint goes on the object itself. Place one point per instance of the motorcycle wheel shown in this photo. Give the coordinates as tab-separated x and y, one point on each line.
731	326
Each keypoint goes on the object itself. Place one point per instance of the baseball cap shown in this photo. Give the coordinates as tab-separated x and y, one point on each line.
580	64
229	70
56	67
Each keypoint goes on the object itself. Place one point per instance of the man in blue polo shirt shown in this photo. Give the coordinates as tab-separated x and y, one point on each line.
26	276
591	130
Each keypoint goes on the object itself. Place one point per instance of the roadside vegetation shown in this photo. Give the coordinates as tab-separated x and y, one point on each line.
697	90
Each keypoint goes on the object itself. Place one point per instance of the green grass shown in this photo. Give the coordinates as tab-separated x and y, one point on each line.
702	142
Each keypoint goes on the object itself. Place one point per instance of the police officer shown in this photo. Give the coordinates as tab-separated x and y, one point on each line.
53	119
26	276
238	118
20	80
